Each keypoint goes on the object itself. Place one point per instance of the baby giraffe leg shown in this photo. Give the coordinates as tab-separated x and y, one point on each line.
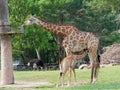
63	75
69	77
59	79
74	74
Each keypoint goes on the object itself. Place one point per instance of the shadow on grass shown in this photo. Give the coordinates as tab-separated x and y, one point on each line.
113	86
44	87
4	88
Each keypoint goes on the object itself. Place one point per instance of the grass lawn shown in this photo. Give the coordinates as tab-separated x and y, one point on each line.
109	78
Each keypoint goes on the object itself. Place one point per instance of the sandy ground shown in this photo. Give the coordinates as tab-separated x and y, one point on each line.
75	84
20	85
26	84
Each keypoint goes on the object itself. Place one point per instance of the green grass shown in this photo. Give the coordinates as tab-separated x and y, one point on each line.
108	78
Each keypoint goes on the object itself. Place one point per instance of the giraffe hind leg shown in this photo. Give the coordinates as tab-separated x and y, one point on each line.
74	74
69	77
59	79
94	72
95	64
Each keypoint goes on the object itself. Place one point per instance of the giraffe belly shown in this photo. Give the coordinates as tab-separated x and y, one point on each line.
78	47
74	44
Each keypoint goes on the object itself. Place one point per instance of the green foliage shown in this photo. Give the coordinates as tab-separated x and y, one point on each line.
103	5
113	37
19	11
97	16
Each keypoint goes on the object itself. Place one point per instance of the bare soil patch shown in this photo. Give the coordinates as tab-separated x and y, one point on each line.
19	84
78	83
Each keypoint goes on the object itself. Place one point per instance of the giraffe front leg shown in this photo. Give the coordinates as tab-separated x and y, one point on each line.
59	80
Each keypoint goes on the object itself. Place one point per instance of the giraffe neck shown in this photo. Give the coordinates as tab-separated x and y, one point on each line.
60	30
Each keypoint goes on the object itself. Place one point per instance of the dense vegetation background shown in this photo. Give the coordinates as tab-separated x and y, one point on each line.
102	17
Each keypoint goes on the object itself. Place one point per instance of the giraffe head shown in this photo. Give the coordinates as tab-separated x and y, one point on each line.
31	20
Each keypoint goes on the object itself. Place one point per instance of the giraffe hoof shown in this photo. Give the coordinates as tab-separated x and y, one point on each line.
57	85
62	85
68	85
94	81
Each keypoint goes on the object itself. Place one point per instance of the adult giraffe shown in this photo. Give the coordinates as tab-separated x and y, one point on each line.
74	41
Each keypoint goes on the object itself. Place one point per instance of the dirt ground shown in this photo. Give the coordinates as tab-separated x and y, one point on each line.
20	85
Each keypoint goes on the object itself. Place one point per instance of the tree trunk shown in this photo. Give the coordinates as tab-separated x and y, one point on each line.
7	76
23	58
38	55
37	52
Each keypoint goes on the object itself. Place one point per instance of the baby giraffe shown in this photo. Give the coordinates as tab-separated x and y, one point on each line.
68	64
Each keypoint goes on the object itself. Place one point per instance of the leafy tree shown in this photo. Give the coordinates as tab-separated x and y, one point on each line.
97	16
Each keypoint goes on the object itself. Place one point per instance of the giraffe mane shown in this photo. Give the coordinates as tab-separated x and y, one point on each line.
56	24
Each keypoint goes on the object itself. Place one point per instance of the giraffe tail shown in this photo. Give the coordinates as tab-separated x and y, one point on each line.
98	54
98	58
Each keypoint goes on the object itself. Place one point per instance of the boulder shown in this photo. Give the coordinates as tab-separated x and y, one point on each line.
111	55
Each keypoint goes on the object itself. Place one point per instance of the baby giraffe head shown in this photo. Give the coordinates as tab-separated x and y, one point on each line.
31	20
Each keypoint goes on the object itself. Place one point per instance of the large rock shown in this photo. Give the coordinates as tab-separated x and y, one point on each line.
111	55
